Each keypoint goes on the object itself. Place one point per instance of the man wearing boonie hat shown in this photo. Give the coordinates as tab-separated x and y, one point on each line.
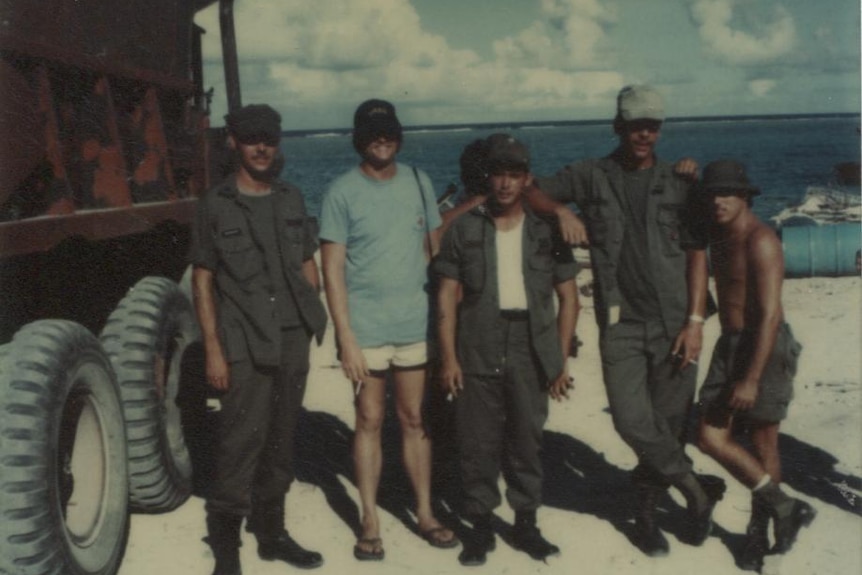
503	348
379	227
256	292
750	376
649	268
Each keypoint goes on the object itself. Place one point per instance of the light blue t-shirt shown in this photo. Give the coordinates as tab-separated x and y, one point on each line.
383	224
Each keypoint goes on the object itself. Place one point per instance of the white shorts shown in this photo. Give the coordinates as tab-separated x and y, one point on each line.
409	356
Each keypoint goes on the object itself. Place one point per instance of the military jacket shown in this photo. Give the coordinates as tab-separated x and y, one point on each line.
468	254
673	225
225	242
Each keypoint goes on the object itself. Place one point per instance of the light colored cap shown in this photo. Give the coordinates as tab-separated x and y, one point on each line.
640	103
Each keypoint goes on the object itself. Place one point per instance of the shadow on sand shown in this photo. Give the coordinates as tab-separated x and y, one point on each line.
577	478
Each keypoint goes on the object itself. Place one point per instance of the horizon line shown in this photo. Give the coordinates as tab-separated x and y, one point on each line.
585	122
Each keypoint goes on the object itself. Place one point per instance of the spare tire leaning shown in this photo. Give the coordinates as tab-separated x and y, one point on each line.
146	337
63	474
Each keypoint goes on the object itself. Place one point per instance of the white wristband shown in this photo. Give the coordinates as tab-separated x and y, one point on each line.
696	318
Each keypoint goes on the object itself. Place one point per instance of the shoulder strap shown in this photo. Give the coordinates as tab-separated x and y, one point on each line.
425	211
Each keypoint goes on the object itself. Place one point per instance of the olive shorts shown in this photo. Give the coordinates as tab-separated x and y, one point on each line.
730	361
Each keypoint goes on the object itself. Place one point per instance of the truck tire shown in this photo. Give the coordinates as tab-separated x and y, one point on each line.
63	473
146	337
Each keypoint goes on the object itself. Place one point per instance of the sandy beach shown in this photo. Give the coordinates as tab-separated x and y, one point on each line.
587	496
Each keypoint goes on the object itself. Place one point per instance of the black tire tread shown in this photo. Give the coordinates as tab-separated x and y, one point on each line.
32	537
157	483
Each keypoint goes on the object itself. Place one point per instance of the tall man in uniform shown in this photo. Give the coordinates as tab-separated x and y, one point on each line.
750	377
256	291
650	277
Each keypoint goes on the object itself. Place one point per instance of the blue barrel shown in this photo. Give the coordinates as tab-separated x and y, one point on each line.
824	250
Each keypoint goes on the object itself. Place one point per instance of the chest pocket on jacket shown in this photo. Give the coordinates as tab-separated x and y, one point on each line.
239	253
599	212
597	227
293	230
670	217
474	266
540	275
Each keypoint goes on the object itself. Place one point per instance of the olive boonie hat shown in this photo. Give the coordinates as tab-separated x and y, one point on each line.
505	150
640	103
254	120
727	176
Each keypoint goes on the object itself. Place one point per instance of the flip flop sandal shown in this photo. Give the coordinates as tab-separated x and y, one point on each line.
433	539
375	543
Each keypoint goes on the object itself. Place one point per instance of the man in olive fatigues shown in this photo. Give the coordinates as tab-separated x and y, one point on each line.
650	274
503	346
256	294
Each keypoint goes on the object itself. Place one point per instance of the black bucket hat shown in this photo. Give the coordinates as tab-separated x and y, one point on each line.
375	118
727	176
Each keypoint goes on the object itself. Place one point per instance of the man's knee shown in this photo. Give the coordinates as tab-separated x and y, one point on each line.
712	440
369	418
633	427
410	419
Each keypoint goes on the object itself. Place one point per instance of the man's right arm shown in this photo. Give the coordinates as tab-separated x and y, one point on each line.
217	370
766	260
447	323
573	230
334	258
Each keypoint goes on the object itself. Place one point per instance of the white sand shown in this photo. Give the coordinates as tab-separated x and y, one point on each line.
823	465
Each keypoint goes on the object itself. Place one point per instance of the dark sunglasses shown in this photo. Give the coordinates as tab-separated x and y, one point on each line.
254	139
641	125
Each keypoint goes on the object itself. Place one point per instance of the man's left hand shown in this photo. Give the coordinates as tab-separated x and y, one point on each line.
687	169
559	388
687	345
573	230
744	395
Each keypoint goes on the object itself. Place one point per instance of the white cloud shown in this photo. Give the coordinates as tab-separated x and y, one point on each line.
330	34
569	35
761	36
301	56
761	88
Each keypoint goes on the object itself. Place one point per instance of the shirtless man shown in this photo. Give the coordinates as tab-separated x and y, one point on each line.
750	377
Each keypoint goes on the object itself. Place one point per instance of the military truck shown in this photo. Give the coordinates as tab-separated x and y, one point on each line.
105	147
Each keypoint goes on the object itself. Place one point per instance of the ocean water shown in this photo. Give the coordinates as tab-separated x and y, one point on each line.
783	155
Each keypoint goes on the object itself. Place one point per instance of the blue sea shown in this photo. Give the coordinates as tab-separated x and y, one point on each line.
784	155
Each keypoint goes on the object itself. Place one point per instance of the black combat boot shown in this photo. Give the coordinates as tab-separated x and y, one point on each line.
479	542
527	537
788	514
648	537
273	540
756	537
223	539
701	496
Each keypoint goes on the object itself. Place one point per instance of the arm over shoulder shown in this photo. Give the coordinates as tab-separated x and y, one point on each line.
569	184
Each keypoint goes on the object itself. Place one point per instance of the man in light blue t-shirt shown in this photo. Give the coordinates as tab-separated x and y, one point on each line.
379	224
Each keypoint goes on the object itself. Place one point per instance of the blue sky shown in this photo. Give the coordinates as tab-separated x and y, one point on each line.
471	61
